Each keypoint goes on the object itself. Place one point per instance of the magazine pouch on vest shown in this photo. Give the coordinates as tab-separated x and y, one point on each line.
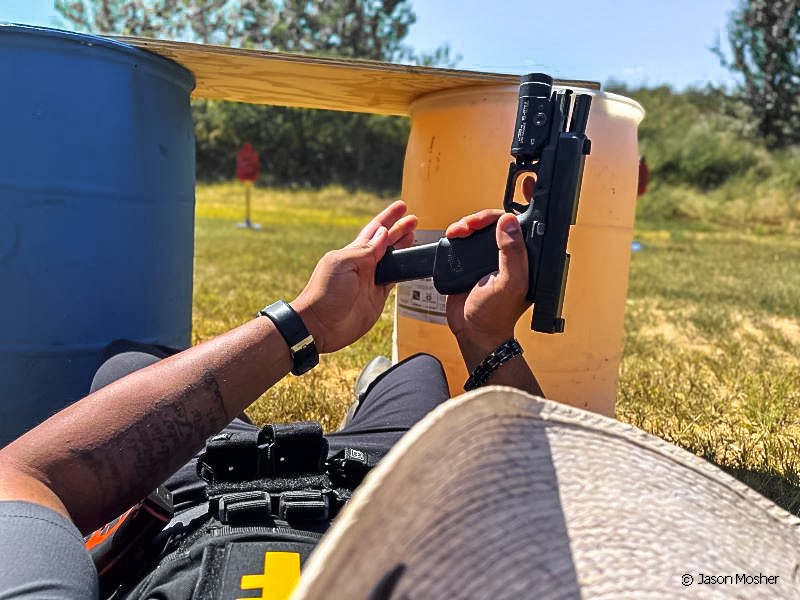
271	494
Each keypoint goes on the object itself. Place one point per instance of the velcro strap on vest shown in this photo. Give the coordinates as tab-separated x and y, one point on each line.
244	507
304	505
261	502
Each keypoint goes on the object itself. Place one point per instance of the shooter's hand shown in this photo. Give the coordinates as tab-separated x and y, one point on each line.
484	317
341	301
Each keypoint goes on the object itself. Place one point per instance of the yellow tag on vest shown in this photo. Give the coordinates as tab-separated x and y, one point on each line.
280	576
263	570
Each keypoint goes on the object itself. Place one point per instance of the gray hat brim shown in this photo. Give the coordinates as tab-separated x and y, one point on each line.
497	494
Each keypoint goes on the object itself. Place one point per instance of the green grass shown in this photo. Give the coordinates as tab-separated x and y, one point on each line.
712	332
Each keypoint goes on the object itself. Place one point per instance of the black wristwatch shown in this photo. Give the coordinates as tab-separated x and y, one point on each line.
301	343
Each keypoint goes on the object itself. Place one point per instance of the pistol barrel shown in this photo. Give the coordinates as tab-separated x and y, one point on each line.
580	113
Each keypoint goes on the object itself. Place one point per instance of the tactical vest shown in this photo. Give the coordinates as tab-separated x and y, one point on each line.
271	494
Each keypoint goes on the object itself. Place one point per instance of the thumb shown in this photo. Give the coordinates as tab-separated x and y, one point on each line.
378	243
513	259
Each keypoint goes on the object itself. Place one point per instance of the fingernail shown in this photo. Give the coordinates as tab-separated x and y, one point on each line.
510	226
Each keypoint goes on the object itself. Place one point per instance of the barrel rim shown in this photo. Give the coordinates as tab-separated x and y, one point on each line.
89	39
429	101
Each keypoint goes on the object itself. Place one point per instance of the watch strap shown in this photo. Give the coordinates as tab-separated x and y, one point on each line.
301	343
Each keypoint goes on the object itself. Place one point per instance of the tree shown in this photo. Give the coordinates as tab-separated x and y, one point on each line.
297	146
764	38
371	29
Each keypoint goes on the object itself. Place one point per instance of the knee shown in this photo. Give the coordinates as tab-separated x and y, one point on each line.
120	365
422	362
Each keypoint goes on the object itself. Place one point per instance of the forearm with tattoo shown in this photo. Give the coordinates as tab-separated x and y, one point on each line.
100	462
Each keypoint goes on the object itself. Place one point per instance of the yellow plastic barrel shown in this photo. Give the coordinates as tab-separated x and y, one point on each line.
456	163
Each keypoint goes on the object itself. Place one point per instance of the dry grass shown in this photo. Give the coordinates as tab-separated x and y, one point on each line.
712	352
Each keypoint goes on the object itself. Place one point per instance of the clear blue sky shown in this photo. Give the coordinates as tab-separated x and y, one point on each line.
641	42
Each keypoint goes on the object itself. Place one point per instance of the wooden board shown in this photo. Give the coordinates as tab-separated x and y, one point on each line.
265	77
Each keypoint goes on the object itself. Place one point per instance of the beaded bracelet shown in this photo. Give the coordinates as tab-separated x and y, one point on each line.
504	352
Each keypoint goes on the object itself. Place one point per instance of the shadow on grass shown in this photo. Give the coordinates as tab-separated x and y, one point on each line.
771	485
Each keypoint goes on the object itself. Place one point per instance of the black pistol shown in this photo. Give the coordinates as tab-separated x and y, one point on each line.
550	143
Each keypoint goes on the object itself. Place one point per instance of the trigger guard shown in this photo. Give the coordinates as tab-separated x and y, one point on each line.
517	208
515	173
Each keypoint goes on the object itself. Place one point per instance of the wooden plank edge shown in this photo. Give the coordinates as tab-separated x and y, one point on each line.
434	78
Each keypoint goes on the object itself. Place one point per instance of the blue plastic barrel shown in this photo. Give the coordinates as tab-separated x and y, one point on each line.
96	212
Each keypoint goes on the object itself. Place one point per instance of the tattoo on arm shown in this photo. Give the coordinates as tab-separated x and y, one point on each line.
174	428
